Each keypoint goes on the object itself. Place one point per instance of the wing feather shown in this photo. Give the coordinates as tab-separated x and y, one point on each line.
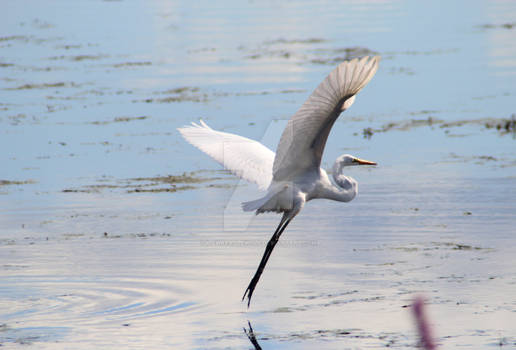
246	158
302	143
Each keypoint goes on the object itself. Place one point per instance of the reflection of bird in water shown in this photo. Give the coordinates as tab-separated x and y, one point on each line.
252	337
293	175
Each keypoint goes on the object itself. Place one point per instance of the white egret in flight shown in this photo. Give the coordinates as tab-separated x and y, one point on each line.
293	175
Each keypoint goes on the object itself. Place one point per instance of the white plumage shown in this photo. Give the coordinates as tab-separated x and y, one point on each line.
303	140
246	158
293	175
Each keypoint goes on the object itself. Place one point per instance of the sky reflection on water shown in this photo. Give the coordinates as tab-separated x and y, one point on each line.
99	247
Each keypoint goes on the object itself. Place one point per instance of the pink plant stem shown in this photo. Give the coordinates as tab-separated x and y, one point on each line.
423	326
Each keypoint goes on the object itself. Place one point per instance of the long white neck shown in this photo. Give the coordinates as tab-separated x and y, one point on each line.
347	186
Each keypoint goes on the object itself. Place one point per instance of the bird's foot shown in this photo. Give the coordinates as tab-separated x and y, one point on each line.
249	292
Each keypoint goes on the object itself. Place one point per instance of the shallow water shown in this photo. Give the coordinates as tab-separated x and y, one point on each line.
115	232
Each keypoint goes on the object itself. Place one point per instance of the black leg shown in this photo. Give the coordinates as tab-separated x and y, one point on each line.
268	250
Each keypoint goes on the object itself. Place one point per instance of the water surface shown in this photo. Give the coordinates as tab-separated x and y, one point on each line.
114	232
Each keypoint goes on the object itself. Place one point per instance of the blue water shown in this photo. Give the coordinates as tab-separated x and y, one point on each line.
99	249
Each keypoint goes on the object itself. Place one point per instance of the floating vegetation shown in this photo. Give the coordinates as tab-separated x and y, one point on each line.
508	25
149	183
174	188
389	339
259	93
503	125
295	41
7	41
127	119
181	94
32	68
15	182
14	38
284	91
69	46
404	125
311	296
459	246
155	184
78	58
180	90
43	86
136	235
339	55
304	51
173	179
17	118
481	160
10	39
419	247
119	120
131	64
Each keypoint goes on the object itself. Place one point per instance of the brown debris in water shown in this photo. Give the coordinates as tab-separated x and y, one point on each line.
508	25
16	182
118	120
503	125
155	184
43	86
132	64
181	94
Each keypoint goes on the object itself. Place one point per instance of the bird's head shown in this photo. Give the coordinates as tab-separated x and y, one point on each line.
349	160
343	181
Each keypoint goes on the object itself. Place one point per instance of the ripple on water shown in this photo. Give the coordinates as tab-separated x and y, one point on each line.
60	301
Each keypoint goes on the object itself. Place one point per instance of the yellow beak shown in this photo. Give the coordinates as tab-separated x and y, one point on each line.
364	162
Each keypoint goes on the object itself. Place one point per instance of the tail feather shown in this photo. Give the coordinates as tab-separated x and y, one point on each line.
279	199
254	205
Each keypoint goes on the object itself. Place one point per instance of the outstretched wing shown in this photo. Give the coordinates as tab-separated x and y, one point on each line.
246	158
302	143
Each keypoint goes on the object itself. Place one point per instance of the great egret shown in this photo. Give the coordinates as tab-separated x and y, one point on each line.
293	175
